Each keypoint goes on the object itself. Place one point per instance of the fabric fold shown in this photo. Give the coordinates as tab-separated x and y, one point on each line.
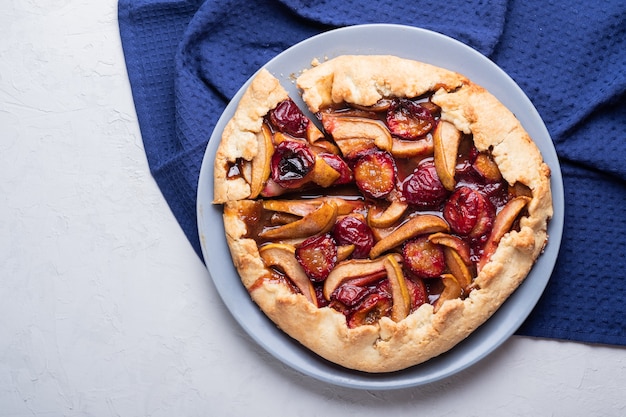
482	20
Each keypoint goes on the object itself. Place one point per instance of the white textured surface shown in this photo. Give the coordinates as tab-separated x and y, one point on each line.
105	310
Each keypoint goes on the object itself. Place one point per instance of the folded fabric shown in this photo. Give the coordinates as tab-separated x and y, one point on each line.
187	58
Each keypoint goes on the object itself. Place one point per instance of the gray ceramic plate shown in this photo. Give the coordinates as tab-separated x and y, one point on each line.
422	45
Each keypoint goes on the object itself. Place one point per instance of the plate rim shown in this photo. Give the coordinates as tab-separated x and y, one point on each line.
305	361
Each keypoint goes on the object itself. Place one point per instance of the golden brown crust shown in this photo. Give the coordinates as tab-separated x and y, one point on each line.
244	251
388	345
365	79
240	139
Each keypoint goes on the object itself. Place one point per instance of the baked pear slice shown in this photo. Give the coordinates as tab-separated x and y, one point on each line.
319	221
399	292
446	140
283	257
416	225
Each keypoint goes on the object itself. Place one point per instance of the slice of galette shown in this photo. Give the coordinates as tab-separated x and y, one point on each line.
389	234
265	148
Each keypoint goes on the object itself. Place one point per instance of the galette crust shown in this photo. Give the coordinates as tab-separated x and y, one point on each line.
240	138
390	346
365	79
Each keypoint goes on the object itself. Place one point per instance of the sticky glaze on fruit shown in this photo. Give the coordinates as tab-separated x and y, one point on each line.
357	185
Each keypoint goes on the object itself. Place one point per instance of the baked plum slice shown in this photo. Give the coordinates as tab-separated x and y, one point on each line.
288	118
417	291
469	213
423	188
291	163
318	256
353	230
408	119
370	310
375	173
350	295
423	258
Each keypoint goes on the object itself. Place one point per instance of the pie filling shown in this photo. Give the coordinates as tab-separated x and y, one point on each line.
384	209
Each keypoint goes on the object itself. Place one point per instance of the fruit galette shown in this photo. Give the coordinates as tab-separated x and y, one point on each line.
386	231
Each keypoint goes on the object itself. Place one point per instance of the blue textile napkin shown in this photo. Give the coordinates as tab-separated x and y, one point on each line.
187	58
